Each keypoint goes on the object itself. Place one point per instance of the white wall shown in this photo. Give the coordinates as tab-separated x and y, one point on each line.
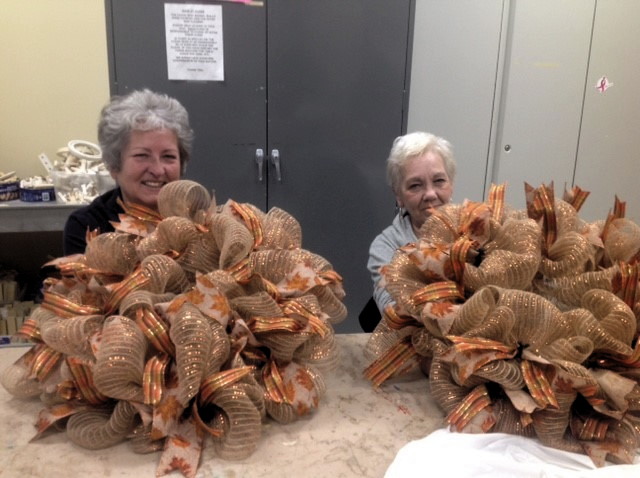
54	81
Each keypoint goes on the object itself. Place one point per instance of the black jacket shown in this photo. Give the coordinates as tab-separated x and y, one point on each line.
96	215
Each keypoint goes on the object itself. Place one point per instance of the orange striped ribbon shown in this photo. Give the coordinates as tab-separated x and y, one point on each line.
250	219
590	393
538	385
29	330
544	204
220	380
274	385
241	271
260	325
44	362
465	344
155	330
476	401
153	378
271	289
330	276
496	200
443	290
391	362
134	281
458	257
395	320
140	212
63	307
577	197
315	323
77	269
619	210
83	378
593	430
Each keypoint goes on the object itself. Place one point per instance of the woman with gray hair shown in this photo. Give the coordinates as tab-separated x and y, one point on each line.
420	170
146	142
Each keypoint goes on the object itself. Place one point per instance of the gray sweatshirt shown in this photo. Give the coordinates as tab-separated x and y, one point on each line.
398	234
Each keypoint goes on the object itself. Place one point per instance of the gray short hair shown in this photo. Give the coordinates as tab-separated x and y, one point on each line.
142	110
416	144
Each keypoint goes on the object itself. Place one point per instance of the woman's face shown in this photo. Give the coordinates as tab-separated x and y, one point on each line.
150	160
424	185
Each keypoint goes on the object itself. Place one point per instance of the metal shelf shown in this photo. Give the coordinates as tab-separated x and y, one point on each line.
20	216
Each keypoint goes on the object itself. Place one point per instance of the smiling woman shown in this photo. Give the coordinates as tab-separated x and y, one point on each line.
146	143
420	170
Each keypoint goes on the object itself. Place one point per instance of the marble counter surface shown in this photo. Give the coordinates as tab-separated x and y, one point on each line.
356	432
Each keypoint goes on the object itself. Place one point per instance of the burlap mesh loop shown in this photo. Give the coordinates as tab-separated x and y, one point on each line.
183	198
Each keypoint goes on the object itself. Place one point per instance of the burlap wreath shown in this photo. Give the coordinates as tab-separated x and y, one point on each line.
525	322
200	321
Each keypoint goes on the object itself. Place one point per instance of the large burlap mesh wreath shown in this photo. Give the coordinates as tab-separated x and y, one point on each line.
200	321
526	322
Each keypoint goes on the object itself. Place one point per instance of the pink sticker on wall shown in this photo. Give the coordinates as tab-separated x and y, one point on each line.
603	84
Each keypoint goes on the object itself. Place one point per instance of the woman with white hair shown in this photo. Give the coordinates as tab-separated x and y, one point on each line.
420	170
146	142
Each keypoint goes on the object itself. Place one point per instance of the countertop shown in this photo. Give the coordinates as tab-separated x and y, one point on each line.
356	432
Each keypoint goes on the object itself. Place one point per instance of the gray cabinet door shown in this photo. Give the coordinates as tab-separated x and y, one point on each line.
456	46
545	68
608	162
324	83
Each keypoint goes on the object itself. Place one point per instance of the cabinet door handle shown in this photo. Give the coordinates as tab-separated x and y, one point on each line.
275	160
260	162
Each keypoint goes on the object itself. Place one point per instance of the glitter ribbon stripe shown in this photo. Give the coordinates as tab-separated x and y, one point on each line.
396	321
155	330
315	323
153	378
593	430
44	362
619	210
538	385
443	290
543	205
30	330
459	252
250	219
135	281
577	197
469	407
140	212
496	201
464	344
276	391
63	307
390	362
83	378
220	380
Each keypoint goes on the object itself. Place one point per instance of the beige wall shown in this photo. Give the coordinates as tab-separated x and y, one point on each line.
54	78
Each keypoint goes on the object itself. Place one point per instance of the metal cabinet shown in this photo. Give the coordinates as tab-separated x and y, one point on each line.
323	84
516	85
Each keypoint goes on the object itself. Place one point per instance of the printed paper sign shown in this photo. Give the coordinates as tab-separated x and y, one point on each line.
194	41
